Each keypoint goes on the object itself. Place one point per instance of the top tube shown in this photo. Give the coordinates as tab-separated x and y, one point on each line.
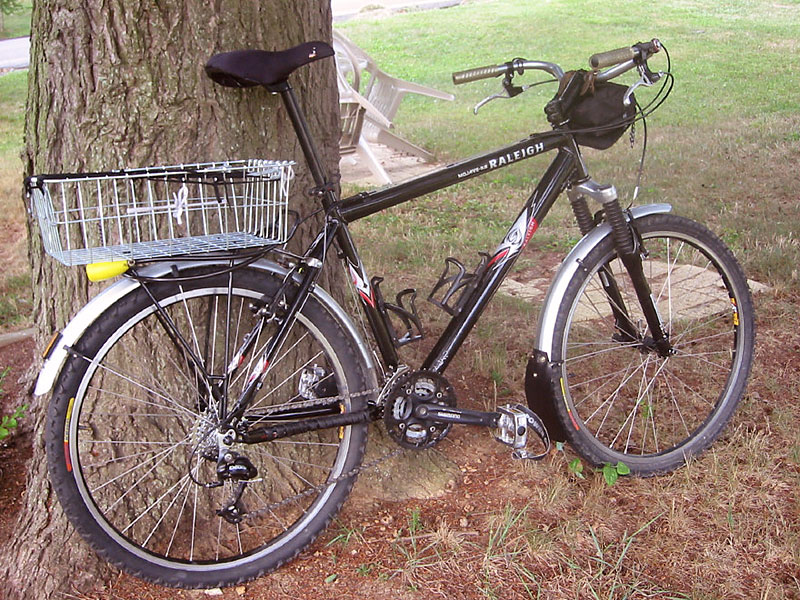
365	204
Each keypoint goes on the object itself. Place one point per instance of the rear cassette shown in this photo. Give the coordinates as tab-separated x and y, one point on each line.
408	392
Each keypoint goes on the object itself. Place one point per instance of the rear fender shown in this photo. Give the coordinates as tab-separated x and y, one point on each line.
117	291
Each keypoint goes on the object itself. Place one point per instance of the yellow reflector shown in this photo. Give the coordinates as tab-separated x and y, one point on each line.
50	344
106	270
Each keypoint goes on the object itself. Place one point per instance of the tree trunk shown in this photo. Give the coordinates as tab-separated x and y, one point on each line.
119	84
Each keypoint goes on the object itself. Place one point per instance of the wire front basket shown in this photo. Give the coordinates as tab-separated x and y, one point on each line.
156	212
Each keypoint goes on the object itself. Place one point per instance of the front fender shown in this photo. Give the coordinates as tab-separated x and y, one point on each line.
568	268
114	293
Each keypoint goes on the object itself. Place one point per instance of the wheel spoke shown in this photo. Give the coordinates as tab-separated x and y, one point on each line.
632	400
146	436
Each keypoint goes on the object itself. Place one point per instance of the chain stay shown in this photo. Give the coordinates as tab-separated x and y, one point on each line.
344	476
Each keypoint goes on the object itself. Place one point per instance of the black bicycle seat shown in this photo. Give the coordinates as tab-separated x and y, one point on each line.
248	68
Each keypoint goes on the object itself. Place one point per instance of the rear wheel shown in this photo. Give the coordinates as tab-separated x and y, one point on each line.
622	400
133	434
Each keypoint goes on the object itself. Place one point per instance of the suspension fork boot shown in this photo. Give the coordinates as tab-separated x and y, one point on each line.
580	209
607	196
620	231
542	392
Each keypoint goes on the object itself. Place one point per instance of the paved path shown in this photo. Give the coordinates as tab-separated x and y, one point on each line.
345	9
14	53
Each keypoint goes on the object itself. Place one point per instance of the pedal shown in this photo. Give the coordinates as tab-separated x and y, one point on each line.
457	283
406	313
513	429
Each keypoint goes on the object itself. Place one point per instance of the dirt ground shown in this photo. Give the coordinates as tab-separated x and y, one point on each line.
450	545
455	543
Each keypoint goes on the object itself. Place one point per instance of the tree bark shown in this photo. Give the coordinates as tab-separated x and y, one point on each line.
120	83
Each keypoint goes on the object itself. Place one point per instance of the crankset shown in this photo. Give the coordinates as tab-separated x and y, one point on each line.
420	409
405	422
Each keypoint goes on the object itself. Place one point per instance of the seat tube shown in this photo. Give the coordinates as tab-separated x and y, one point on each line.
309	148
329	199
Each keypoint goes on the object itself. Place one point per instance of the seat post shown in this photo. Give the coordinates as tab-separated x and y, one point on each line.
300	124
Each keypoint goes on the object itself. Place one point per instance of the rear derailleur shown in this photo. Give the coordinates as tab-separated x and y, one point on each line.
234	467
215	446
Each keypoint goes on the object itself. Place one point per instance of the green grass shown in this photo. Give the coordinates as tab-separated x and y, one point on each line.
18	23
13	89
731	119
15	299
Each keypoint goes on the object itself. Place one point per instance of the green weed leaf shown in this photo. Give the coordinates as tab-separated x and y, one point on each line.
623	469
610	474
331	578
7	423
576	467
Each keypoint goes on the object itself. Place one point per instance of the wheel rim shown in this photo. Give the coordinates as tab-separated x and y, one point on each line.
631	400
143	490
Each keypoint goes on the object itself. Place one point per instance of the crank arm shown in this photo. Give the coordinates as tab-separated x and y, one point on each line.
512	424
460	416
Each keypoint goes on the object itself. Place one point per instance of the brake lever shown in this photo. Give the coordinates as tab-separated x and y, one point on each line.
487	100
509	91
646	78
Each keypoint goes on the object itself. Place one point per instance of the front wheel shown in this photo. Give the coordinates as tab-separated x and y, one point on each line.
622	400
134	437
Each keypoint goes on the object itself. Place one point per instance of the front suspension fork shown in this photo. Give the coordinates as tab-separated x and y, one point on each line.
630	251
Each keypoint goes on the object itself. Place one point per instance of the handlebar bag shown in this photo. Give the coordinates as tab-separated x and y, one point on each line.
601	107
595	106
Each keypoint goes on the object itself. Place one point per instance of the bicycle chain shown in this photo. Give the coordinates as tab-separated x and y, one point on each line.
320	488
327	400
348	475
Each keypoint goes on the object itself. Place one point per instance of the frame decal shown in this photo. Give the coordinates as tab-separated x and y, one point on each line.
504	159
362	285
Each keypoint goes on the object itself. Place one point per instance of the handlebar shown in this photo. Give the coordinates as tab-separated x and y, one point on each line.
518	65
477	73
621	60
640	52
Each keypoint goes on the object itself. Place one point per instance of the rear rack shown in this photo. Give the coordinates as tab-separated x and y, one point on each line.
157	212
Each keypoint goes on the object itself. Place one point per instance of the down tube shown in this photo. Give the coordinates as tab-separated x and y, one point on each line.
552	184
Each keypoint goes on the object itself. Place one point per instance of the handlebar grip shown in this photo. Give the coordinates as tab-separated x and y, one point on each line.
612	57
479	73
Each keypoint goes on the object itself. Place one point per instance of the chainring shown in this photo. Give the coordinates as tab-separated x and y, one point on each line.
410	390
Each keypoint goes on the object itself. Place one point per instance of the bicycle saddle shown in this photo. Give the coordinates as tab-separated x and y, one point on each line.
248	68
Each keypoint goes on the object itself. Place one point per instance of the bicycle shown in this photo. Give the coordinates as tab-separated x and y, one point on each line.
231	467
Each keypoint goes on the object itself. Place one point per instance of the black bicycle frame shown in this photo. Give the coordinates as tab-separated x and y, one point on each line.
536	207
565	167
